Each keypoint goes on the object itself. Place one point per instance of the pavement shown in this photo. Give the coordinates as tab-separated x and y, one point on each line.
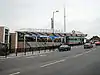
78	61
22	54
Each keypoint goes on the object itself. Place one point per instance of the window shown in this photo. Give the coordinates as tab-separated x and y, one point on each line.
30	39
6	35
6	31
20	36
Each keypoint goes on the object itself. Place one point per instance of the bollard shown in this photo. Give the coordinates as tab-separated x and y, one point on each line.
32	51
5	54
6	50
16	52
39	50
53	47
25	51
44	49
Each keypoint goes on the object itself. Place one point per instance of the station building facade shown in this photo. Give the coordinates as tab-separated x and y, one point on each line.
4	35
29	38
26	38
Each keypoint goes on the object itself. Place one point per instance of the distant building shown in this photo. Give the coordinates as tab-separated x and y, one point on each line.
95	39
4	40
75	38
4	35
26	38
12	42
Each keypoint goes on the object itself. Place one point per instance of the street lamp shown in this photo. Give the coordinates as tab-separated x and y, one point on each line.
52	19
52	25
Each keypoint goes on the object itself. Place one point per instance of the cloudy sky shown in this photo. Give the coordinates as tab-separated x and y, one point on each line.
83	15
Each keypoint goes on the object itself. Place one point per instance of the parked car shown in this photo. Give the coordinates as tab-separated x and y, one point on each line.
64	48
88	45
97	43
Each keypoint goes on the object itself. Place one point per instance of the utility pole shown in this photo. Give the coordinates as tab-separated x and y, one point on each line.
52	24
64	19
52	20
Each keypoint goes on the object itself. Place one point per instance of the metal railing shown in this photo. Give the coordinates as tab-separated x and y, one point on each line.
38	46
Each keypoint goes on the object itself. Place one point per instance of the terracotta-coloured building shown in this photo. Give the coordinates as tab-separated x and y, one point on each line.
4	35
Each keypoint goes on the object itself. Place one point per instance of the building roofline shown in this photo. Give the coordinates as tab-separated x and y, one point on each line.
4	27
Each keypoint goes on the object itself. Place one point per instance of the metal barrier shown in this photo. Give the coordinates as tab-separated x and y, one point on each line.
39	46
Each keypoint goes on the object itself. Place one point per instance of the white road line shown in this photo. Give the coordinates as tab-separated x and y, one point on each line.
53	63
94	49
78	55
43	55
31	56
35	56
27	56
6	57
2	58
14	57
10	57
15	73
68	57
65	59
88	51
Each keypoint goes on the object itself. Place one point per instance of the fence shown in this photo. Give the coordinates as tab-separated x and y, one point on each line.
37	46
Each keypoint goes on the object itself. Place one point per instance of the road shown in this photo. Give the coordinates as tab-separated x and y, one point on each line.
78	61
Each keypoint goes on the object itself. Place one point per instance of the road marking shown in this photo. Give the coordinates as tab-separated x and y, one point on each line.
6	57
43	55
35	56
88	51
94	49
27	56
14	57
1	58
78	55
31	56
15	73
53	63
65	59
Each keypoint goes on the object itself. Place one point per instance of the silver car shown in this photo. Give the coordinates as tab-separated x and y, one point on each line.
88	45
64	48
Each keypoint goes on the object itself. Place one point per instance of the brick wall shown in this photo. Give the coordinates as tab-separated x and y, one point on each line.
13	41
1	33
20	45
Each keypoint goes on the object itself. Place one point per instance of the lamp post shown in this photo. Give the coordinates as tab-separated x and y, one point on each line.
52	26
52	21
